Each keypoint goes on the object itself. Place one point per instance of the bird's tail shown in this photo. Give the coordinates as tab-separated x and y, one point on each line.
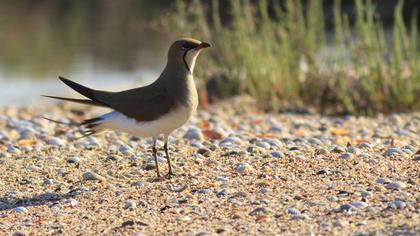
90	125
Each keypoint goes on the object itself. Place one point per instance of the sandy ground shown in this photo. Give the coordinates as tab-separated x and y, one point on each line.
238	172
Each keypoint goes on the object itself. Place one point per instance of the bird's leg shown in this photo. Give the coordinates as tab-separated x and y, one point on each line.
156	158
170	173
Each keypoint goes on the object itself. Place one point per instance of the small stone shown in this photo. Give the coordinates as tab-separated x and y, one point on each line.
204	151
125	150
92	176
359	204
263	145
19	233
55	142
346	207
194	134
366	194
73	159
392	152
315	141
397	204
20	210
346	156
322	172
364	145
13	149
222	193
26	149
222	179
277	154
382	181
264	190
259	211
322	151
300	217
137	184
48	181
417	158
130	205
72	202
293	211
397	185
338	149
243	168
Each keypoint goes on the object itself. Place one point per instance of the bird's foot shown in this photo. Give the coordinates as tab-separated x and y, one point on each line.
170	174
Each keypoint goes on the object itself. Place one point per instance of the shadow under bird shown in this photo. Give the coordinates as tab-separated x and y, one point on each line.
149	111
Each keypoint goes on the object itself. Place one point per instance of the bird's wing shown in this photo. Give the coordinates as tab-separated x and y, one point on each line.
143	104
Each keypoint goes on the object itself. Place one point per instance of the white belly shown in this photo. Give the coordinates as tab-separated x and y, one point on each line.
163	125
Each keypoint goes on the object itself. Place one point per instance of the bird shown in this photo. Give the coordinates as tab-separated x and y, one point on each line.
152	110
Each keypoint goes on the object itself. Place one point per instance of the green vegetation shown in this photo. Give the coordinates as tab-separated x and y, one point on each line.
288	55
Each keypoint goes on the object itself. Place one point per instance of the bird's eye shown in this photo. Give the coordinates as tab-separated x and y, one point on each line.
189	45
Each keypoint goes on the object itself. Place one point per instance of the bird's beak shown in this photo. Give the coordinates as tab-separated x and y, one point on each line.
202	45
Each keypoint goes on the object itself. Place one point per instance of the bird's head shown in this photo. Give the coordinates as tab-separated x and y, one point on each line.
185	52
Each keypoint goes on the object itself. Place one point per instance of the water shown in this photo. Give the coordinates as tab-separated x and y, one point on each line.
19	90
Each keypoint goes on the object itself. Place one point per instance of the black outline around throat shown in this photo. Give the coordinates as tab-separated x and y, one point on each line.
185	62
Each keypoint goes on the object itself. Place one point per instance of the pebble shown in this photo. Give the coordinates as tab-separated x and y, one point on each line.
346	207
264	190
359	204
130	205
315	141
397	185
300	217
243	168
382	180
263	145
204	151
338	149
20	210
392	152
72	202
417	158
293	211
366	194
48	181
322	151
92	176
194	134
346	156
322	172
125	150
73	159
13	149
54	141
137	184
397	204
277	154
222	179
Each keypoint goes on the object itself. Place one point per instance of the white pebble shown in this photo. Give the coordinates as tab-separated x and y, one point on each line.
194	134
359	204
397	185
92	176
20	210
397	204
277	154
55	142
393	152
243	168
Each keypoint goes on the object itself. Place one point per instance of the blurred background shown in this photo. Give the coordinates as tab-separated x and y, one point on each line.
331	56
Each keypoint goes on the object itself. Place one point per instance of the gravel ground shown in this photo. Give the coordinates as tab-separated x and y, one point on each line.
238	172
